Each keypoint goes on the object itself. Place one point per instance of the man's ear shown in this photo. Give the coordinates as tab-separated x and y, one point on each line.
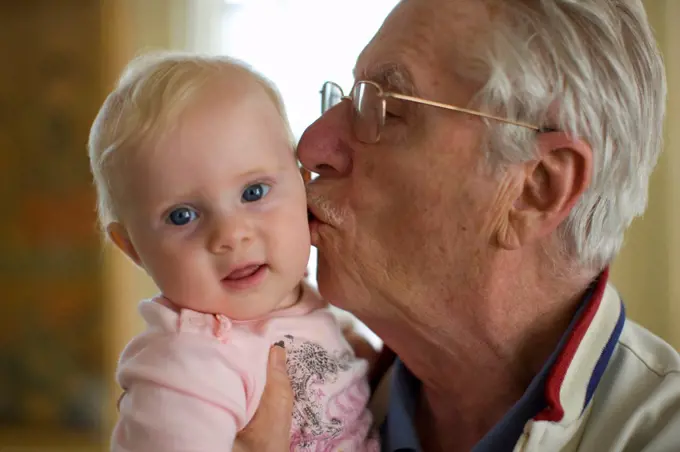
119	236
553	184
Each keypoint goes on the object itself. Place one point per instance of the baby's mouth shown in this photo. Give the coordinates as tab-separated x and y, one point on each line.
246	277
244	272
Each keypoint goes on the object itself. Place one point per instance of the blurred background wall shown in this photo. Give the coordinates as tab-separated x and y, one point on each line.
51	367
69	305
647	272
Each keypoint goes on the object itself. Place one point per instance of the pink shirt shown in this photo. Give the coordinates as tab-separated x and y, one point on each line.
193	380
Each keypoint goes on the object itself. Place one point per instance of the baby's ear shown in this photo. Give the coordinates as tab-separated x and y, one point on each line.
119	236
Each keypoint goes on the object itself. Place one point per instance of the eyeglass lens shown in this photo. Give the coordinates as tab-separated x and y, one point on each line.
369	112
368	108
331	95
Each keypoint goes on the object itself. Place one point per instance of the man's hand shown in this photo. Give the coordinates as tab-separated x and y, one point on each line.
269	429
363	349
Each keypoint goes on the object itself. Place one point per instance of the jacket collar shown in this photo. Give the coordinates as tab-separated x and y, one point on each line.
582	361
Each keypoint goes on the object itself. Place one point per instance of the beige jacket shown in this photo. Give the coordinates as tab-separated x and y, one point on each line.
633	403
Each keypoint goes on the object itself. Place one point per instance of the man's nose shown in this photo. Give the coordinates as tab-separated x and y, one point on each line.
324	147
229	233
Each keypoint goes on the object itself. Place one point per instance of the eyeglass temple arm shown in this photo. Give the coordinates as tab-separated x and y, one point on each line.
463	110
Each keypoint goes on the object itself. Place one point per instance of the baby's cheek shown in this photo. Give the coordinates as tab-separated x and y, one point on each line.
175	265
290	217
293	239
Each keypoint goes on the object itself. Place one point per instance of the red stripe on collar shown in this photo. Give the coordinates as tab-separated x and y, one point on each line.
554	412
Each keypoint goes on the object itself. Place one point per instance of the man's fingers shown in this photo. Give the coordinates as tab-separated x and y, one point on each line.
363	349
269	430
346	321
361	346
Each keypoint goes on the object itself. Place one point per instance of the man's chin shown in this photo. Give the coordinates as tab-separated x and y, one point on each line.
325	280
331	289
317	230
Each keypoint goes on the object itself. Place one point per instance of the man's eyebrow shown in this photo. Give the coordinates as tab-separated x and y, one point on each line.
393	77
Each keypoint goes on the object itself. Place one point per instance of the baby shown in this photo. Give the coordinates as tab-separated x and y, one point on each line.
198	184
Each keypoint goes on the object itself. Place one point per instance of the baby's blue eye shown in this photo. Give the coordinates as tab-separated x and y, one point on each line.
182	216
255	192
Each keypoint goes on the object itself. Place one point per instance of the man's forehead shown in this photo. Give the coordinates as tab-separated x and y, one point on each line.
392	76
423	33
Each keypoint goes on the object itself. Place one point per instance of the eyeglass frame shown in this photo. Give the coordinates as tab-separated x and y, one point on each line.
384	95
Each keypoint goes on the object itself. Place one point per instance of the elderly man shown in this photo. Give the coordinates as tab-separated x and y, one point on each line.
472	189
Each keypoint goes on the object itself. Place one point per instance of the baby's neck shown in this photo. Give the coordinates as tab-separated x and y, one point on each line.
291	299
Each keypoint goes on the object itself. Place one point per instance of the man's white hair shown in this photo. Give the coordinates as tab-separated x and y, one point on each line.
591	68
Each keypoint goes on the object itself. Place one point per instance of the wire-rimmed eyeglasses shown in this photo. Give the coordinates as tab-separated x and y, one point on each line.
369	102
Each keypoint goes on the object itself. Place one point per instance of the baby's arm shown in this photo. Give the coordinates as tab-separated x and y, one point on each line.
181	395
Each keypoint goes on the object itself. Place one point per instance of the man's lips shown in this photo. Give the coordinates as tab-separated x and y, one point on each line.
314	214
314	224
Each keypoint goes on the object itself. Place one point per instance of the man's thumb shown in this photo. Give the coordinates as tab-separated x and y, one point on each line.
269	429
278	394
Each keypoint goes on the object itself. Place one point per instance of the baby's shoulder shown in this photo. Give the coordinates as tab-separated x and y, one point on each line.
183	337
185	334
159	315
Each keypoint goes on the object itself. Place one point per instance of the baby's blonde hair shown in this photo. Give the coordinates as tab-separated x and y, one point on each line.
152	92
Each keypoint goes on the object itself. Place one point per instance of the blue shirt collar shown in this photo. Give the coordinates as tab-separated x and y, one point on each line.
398	430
